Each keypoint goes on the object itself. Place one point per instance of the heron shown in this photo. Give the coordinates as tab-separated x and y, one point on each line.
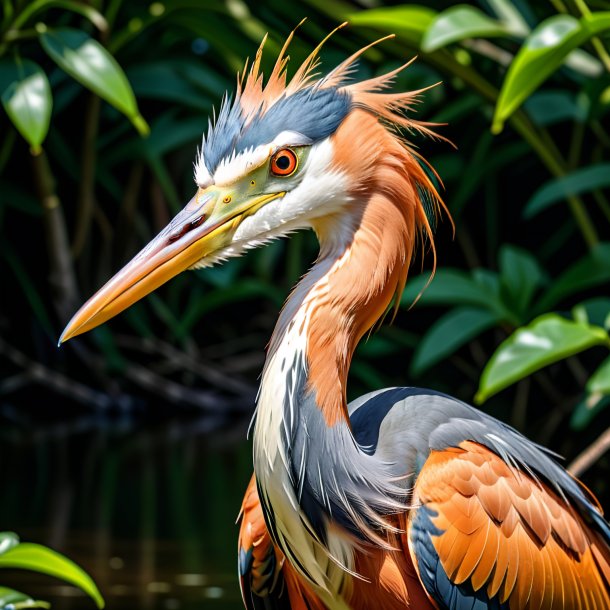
405	497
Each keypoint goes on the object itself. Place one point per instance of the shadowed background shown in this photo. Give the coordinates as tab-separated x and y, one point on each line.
126	449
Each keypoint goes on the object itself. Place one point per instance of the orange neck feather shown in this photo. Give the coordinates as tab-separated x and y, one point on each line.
371	270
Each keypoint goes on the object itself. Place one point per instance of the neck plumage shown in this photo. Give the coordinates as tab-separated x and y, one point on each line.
307	462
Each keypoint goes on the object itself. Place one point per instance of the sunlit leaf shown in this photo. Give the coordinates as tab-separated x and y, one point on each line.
8	540
548	339
409	22
460	22
545	49
599	382
90	64
591	270
508	12
15	600
26	97
449	333
579	181
29	556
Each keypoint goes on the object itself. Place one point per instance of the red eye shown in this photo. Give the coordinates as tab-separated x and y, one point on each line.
284	162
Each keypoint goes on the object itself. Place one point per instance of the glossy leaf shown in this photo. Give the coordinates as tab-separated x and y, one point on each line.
599	382
29	556
449	333
15	600
591	270
548	339
409	22
86	60
578	182
507	11
458	23
545	49
26	97
8	540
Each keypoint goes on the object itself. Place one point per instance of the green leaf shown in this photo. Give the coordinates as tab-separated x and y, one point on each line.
507	12
460	22
8	540
86	60
599	382
579	181
447	287
38	558
9	598
454	329
549	107
548	339
410	22
520	275
26	97
586	410
545	49
594	311
591	270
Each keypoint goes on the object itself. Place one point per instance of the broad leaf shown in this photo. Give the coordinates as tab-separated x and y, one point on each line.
548	107
90	64
447	287
460	22
29	556
545	49
26	97
546	340
454	329
591	270
15	600
409	22
599	382
579	181
520	275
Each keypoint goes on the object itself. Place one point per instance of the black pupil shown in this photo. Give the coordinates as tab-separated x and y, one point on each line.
283	162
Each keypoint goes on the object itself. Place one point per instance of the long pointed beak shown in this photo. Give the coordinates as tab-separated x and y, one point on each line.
203	227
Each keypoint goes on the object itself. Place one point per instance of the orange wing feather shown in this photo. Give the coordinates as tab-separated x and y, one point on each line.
510	535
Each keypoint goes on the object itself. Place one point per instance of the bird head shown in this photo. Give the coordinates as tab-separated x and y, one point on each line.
271	163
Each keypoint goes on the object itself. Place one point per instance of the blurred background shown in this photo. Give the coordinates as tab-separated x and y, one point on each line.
126	449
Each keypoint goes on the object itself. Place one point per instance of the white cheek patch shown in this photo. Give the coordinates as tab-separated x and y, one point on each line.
319	192
236	166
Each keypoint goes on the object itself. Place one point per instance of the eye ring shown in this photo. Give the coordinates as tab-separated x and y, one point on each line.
284	162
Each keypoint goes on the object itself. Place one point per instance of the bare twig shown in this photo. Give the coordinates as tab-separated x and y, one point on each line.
61	271
204	370
182	395
591	454
34	372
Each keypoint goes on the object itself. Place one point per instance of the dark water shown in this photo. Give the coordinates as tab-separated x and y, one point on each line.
147	508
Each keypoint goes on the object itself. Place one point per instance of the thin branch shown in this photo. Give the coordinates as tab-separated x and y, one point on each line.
591	454
61	269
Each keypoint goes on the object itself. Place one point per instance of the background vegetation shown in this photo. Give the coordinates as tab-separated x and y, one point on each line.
105	105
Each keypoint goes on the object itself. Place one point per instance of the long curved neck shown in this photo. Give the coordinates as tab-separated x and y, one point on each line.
311	472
